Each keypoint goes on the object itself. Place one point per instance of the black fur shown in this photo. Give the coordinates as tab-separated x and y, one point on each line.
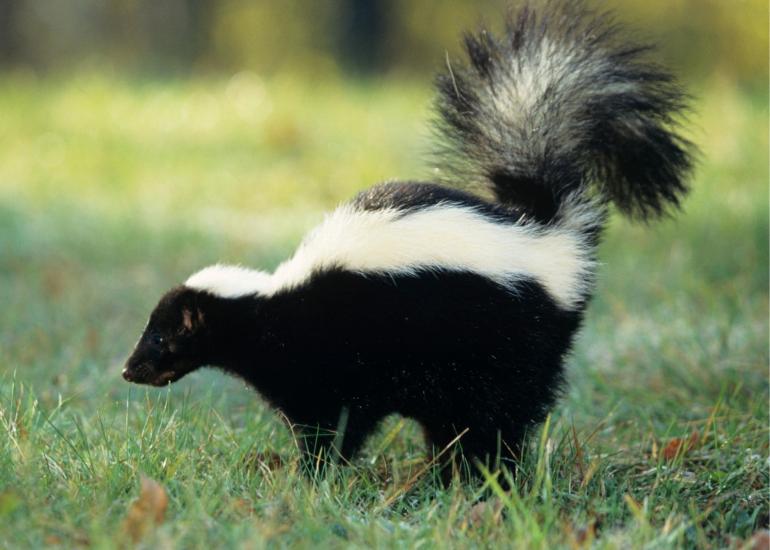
362	347
410	196
559	116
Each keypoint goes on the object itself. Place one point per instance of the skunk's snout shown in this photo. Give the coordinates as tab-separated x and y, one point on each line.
132	374
138	373
128	375
149	373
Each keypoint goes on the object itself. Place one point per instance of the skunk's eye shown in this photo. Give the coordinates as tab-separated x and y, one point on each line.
157	339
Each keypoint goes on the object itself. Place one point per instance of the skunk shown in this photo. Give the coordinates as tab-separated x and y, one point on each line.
452	303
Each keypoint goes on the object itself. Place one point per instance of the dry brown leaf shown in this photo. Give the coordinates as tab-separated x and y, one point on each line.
52	540
243	507
680	445
585	535
147	511
759	541
480	511
582	536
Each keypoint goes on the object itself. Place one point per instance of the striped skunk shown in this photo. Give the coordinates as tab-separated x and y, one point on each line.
451	307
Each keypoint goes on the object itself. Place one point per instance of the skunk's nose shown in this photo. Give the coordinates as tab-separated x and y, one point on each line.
128	375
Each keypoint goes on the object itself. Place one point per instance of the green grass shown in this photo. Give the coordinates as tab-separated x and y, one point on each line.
112	191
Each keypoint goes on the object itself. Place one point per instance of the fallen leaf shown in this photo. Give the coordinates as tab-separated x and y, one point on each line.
243	507
582	536
680	446
585	535
480	511
759	541
147	511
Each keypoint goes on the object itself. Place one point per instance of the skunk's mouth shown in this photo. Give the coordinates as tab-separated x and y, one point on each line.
146	374
165	378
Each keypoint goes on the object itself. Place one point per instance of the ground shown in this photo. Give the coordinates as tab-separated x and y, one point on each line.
112	190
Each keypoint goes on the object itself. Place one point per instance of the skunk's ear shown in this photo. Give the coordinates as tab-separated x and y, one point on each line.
187	317
192	319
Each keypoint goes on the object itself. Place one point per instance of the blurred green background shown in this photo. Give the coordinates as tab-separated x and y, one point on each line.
703	38
142	140
247	106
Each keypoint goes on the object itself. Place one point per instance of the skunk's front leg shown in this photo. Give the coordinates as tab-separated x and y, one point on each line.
324	442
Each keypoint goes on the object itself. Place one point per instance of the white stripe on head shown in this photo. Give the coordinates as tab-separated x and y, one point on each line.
445	236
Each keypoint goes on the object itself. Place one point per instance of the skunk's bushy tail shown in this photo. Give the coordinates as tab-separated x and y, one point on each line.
563	106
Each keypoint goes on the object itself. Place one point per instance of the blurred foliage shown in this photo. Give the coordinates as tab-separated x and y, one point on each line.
240	152
698	37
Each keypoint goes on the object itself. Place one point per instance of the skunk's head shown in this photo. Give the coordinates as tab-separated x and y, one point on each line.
173	343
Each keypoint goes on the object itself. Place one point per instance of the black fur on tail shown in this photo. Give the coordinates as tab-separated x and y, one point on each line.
564	102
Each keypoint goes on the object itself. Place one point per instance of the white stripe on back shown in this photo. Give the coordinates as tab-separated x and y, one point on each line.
445	236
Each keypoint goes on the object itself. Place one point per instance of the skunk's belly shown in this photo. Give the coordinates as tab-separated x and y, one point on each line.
438	343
